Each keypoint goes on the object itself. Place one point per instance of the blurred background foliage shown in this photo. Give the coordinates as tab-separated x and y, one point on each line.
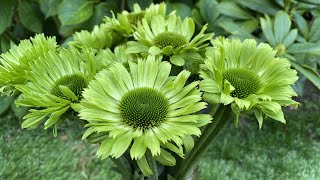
289	26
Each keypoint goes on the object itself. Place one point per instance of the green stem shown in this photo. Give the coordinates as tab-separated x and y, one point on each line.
153	165
124	167
221	118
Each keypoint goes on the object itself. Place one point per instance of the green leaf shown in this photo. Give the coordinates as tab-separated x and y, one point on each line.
290	38
310	48
235	29
309	73
19	112
181	9
142	3
29	18
6	14
262	6
230	8
5	45
49	7
209	10
72	12
5	103
267	28
315	30
302	25
282	24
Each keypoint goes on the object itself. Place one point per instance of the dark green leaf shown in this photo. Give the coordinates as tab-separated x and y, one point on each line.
6	14
72	12
5	45
19	112
230	8
142	3
302	25
209	10
308	73
315	2
315	30
49	7
5	102
181	9
235	29
309	48
29	18
262	6
282	24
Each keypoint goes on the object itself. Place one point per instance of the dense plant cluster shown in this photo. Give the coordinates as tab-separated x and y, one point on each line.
144	81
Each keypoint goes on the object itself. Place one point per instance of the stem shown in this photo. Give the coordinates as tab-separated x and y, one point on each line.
153	165
221	118
124	167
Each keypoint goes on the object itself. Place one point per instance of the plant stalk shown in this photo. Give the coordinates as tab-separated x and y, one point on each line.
221	118
124	167
153	165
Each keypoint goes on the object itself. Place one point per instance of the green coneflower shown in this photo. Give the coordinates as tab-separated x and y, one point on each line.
125	22
248	77
15	62
170	37
55	85
143	109
102	36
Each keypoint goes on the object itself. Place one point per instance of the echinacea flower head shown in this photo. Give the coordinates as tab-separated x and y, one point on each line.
125	22
101	37
170	37
143	109
55	85
15	63
249	77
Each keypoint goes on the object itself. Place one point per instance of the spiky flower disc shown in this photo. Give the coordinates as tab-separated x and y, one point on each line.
171	37
56	82
248	77
125	22
145	108
16	62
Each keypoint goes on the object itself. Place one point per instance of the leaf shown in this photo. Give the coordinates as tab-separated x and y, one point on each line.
28	16
290	38
235	29
315	30
267	28
262	6
71	12
302	25
308	73
5	45
181	9
310	48
5	103
19	112
49	7
209	10
6	14
142	3
282	24
232	9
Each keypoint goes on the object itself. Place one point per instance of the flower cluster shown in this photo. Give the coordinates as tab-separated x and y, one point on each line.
120	80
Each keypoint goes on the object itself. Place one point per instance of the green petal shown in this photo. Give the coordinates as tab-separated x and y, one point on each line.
242	103
138	148
165	158
54	117
258	114
121	144
152	142
177	60
188	142
272	109
144	166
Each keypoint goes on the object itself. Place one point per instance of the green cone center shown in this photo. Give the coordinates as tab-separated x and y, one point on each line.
143	108
165	39
244	81
75	82
134	18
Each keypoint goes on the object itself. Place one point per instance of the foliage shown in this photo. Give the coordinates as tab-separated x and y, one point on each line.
132	73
